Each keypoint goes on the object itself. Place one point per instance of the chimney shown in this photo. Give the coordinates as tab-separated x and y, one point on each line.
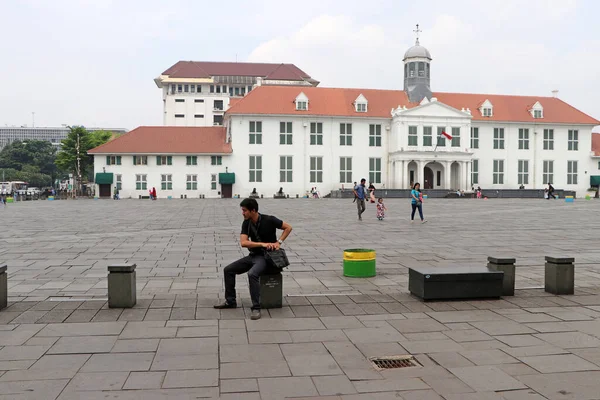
555	93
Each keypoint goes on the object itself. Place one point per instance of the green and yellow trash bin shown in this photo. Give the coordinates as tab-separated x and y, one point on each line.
359	263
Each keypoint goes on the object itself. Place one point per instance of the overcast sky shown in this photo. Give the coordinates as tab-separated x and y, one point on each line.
93	62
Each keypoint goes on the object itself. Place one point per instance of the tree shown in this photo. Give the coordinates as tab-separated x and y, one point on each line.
73	156
31	161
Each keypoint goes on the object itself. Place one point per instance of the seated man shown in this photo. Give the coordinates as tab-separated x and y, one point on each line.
259	234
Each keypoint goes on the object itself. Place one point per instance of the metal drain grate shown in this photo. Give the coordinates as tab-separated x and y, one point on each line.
394	362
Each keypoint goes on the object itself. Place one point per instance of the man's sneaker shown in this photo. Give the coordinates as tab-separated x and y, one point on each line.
255	315
225	305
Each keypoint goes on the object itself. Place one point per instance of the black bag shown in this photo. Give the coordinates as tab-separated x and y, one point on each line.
275	258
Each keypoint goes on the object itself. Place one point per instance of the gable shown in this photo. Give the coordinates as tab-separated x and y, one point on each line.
435	109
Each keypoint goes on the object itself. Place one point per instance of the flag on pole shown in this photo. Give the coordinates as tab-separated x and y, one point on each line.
447	135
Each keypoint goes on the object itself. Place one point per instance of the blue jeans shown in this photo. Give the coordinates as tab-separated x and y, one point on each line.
414	208
255	265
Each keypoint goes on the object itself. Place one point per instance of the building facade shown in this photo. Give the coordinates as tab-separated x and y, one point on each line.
297	137
52	135
199	93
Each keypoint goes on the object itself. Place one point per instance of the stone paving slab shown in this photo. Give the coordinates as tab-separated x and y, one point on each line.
59	339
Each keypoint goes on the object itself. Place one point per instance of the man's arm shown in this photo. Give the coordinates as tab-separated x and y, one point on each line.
248	244
287	229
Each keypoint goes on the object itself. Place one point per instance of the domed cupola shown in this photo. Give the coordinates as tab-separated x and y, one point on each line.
417	71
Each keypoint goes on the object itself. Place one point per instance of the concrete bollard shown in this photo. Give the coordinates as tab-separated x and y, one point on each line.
559	275
121	286
271	290
506	265
3	287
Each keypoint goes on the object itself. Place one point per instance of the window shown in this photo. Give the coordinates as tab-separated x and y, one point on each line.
498	138
179	100
345	169
301	105
285	169
255	132
487	112
316	169
216	160
285	133
316	133
199	90
166	182
193	88
474	137
427	136
173	88
537	113
191	160
375	135
113	160
361	107
119	182
198	115
455	137
523	139
213	182
345	134
218	105
164	160
179	115
548	139
571	172
598	164
441	139
249	89
439	178
217	120
375	170
523	176
255	169
186	88
212	88
179	88
573	140
475	172
199	100
191	182
140	160
498	172
548	172
413	139
140	182
218	88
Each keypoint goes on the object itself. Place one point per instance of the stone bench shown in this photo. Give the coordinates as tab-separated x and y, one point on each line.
271	290
559	275
430	283
279	196
121	286
3	287
506	265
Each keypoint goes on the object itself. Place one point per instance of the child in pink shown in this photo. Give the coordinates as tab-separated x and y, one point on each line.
380	209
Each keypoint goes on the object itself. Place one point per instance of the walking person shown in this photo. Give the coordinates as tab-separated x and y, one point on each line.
371	192
551	191
354	201
259	234
360	193
153	195
416	202
381	209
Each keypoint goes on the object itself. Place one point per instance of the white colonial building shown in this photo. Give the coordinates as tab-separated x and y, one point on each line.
299	137
198	93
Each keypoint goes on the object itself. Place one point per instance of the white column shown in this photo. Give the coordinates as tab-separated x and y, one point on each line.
401	174
420	174
447	174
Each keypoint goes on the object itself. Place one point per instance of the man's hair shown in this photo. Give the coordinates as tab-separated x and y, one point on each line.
249	204
363	180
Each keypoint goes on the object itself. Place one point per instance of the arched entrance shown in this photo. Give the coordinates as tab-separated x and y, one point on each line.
428	182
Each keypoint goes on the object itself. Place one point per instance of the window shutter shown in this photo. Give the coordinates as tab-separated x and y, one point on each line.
157	160
107	160
170	160
134	160
118	160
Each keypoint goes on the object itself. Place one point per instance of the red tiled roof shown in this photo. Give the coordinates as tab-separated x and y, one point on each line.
596	143
168	140
206	69
339	102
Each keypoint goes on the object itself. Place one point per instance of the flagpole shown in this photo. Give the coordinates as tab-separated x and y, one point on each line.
437	141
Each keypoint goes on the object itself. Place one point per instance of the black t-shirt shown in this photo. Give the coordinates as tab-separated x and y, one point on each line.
266	227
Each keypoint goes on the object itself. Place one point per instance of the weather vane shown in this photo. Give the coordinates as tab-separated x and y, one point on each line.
417	31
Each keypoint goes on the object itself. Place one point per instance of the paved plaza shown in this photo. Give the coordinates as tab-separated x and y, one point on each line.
59	340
